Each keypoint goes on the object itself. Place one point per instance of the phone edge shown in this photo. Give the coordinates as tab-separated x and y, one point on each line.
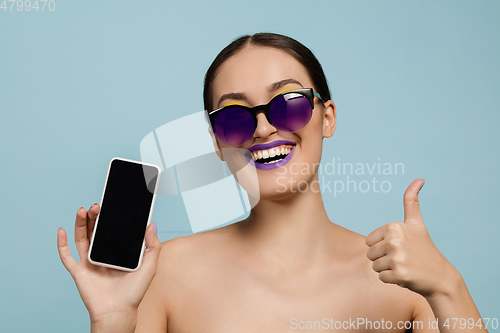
149	217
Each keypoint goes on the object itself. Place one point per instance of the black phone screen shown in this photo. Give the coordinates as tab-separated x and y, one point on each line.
125	209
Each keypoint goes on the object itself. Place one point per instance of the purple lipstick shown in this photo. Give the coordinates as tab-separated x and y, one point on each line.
265	146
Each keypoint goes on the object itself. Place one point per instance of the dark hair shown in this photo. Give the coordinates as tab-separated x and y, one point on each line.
301	53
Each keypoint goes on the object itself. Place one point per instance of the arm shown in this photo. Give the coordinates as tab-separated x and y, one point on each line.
404	254
124	322
454	301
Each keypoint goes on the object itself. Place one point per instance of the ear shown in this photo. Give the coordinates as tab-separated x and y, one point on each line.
215	143
329	119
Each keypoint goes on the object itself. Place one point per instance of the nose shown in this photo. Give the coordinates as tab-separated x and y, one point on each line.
264	128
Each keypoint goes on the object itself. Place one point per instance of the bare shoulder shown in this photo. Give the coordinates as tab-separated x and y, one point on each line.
183	266
188	264
186	250
350	243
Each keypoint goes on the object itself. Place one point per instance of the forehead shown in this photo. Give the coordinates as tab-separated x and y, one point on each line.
254	69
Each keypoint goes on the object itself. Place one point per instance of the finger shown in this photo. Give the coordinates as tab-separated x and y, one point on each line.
410	202
376	251
81	240
381	264
152	252
388	276
91	217
63	249
375	236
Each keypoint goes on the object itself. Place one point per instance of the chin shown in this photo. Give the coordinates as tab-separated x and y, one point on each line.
278	186
270	195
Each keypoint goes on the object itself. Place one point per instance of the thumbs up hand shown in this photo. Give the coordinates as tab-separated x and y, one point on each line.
404	254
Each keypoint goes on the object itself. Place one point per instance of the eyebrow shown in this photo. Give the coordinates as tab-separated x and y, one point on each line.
273	87
280	84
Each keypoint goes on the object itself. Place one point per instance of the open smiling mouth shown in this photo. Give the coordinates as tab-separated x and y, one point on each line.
272	155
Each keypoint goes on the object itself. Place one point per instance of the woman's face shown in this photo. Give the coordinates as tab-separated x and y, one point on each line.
253	77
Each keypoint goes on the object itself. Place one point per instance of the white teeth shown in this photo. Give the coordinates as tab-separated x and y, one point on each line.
269	153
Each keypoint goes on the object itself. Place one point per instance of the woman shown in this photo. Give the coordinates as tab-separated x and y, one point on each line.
286	266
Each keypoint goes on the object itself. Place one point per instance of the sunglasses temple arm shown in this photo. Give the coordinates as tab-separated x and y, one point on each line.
317	95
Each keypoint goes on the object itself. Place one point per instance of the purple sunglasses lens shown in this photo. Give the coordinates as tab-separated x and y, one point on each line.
234	126
290	112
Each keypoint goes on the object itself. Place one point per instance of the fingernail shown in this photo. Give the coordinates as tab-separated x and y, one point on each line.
156	229
92	206
421	185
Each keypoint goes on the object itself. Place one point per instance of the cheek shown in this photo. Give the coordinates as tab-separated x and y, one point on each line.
312	135
312	143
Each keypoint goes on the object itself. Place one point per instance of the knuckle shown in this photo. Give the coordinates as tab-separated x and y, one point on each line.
401	275
394	244
82	240
410	199
397	260
394	227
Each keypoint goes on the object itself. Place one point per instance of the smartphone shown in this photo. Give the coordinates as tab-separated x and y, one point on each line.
126	208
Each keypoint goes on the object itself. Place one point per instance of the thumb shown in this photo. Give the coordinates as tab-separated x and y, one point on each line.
153	246
411	205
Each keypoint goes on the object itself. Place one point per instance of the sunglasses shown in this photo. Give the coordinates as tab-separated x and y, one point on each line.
287	112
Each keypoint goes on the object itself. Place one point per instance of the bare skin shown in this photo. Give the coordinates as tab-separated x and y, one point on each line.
247	287
287	264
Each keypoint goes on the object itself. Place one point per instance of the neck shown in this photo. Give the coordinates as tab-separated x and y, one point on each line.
293	229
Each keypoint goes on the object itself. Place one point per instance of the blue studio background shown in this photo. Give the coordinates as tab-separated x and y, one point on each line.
414	83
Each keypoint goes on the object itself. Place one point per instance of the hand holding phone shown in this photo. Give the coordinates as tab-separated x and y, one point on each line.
106	291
